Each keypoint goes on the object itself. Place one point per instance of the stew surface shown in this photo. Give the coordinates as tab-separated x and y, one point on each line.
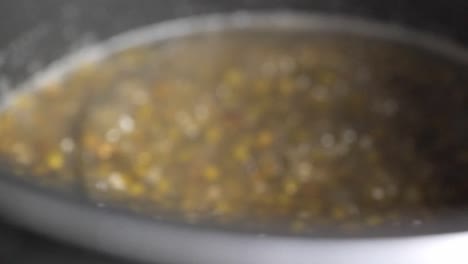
262	128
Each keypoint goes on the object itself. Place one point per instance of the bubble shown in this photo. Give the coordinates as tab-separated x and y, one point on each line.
327	140
126	123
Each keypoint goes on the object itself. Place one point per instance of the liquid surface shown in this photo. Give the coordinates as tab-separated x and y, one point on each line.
264	128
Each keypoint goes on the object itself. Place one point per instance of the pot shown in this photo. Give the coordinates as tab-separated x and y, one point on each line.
35	33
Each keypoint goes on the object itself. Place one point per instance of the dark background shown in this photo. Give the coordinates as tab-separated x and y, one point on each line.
110	16
18	246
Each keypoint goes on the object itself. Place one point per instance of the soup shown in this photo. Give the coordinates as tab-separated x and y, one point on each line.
255	127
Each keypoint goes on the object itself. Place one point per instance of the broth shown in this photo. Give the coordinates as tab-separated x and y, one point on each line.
254	127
